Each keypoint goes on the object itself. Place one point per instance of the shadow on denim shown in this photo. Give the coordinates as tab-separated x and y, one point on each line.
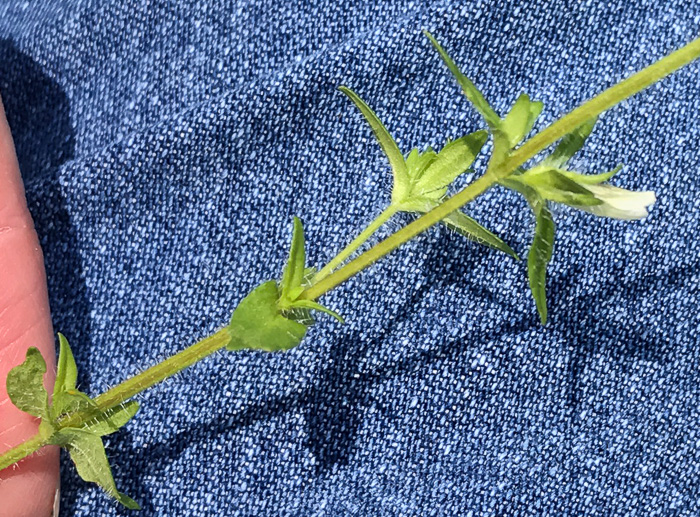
593	328
333	406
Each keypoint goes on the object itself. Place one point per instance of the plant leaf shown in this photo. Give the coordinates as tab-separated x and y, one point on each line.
66	398
88	454
306	281
113	419
454	159
470	90
514	183
540	254
569	145
468	227
312	305
421	204
67	371
72	401
25	385
590	179
554	186
520	119
294	271
386	141
257	323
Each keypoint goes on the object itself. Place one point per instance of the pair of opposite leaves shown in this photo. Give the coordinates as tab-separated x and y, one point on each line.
272	317
25	388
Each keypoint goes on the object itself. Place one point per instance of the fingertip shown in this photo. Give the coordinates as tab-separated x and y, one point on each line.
28	489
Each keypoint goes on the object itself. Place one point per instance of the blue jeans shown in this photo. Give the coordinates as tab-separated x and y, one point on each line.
165	147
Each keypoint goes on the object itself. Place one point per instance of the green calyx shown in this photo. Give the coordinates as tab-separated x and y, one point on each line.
549	180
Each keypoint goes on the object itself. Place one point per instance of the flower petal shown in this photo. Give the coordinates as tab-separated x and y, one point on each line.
619	203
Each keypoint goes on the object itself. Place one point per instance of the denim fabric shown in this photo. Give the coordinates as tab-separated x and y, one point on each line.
165	147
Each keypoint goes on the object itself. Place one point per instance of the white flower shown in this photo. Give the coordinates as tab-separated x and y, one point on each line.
619	203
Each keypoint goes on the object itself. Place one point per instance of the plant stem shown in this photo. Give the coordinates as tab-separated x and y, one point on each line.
156	374
592	108
174	364
395	240
604	101
21	451
356	243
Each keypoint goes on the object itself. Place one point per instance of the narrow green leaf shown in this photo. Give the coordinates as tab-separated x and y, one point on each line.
257	323
569	145
113	419
421	204
590	179
88	454
470	90
292	294
66	397
539	256
67	371
469	228
514	183
520	119
25	385
554	186
311	305
294	272
386	141
454	159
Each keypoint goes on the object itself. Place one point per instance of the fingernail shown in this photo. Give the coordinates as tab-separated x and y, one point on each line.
57	501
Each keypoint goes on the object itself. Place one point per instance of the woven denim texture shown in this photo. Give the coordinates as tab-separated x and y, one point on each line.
165	147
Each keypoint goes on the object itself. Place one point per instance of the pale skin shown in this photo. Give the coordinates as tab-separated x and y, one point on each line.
29	488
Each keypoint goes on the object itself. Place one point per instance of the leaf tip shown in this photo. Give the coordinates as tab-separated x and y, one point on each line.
128	502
